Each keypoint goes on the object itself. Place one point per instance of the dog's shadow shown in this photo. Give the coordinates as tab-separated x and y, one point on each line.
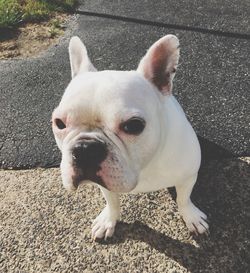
175	249
222	191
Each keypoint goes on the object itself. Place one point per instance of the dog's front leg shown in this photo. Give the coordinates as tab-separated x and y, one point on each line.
104	224
194	218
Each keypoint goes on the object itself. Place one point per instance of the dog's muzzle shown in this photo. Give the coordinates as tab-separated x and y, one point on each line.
88	154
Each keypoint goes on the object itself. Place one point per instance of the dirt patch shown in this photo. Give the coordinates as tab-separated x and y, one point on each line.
32	38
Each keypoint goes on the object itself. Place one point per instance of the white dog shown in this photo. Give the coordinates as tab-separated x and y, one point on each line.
125	131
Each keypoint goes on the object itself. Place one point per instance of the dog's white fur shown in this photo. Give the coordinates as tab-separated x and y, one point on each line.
165	154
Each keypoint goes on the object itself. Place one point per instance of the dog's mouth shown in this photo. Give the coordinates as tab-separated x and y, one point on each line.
81	176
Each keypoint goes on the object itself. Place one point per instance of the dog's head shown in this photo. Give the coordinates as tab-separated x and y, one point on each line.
108	124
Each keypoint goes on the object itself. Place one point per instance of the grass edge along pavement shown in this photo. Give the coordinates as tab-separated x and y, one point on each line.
14	13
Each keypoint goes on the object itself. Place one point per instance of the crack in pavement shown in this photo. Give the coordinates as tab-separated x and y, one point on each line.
166	25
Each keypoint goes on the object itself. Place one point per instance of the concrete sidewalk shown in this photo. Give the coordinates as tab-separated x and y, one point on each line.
45	229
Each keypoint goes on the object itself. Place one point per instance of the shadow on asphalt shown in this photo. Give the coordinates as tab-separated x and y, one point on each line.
210	150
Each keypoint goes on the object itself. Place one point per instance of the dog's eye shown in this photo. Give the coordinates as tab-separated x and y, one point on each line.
60	124
133	126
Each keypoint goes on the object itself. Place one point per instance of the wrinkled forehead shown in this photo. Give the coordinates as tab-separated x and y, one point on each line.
109	94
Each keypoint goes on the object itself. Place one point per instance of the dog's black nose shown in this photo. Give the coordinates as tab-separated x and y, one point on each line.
89	153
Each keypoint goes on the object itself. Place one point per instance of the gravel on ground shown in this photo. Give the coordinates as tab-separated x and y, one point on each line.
44	229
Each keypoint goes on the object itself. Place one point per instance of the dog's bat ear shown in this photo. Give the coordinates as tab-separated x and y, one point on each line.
79	60
160	63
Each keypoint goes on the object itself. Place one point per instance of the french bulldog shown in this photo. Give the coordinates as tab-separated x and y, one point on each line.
126	132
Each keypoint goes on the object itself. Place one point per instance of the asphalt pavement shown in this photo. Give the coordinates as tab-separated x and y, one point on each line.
212	83
45	229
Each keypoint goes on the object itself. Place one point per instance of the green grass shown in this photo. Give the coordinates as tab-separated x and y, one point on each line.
14	12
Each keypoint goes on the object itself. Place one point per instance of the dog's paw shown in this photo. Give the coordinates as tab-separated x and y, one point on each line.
194	219
104	224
